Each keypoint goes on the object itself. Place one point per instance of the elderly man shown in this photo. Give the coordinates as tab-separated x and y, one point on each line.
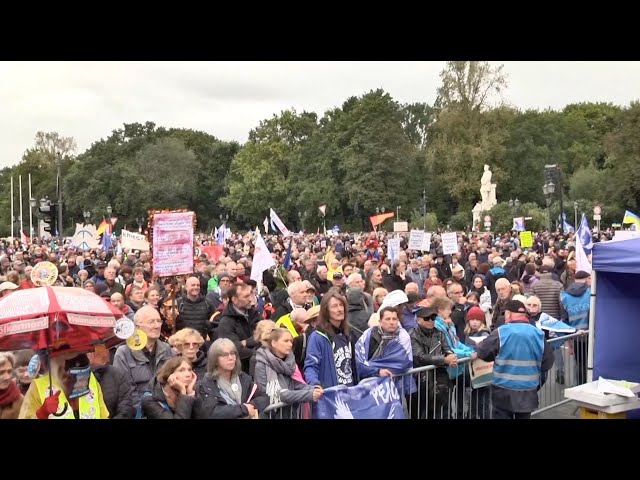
504	294
110	281
297	298
433	292
494	274
117	300
142	365
520	356
417	275
548	291
321	283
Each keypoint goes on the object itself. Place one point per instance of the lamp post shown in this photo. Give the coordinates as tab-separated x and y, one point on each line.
398	207
223	219
356	208
423	208
87	215
549	189
301	221
575	210
32	204
515	205
140	222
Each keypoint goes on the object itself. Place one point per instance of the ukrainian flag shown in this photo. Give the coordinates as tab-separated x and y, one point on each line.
630	217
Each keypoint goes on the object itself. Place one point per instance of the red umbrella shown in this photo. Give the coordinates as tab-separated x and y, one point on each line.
56	318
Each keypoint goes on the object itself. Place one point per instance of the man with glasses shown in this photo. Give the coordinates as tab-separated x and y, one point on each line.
455	292
142	365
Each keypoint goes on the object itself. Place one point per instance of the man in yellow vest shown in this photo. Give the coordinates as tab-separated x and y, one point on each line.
74	392
293	321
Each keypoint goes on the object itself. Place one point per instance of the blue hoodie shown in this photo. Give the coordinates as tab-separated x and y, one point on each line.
319	364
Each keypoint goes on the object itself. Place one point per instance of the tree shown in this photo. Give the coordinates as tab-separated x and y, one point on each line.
622	147
260	174
470	85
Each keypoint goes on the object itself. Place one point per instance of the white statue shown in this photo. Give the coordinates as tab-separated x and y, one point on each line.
487	190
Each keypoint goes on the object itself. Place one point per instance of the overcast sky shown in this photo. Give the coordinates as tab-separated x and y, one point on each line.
87	100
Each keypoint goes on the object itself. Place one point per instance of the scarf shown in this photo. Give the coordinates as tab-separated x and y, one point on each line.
395	355
9	395
233	396
276	367
385	339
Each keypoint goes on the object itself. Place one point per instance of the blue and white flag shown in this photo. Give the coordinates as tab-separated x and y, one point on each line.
276	219
376	398
220	235
584	245
565	225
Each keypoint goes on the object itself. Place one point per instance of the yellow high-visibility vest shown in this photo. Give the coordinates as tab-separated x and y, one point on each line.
89	404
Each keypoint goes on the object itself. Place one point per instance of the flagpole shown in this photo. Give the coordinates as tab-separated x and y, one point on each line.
20	191
12	232
30	211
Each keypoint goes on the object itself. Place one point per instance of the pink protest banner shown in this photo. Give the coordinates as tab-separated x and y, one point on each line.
173	243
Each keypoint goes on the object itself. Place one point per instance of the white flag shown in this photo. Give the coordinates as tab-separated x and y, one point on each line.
266	225
582	261
262	259
276	219
323	209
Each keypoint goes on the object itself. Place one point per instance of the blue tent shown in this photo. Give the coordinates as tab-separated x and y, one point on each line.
616	294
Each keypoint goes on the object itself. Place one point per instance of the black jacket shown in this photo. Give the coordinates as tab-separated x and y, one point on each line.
394	282
211	405
117	391
155	406
200	364
283	308
300	347
237	327
195	314
359	315
429	347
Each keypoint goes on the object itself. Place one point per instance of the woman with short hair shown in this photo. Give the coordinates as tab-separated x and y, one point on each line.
226	391
188	343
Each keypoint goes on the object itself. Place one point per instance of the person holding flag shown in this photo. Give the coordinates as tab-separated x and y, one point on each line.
632	218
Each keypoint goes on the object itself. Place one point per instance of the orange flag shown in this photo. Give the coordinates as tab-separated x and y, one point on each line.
378	219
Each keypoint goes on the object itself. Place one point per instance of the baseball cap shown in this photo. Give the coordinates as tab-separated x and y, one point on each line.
581	275
337	275
426	312
515	306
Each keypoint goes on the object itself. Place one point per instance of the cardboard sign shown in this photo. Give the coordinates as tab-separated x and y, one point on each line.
526	239
416	239
449	243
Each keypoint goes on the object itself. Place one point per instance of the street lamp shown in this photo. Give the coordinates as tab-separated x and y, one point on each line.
223	219
515	205
300	221
87	215
575	209
549	189
380	210
33	203
140	222
398	207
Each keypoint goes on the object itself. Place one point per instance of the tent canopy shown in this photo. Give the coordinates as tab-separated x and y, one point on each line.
619	256
617	308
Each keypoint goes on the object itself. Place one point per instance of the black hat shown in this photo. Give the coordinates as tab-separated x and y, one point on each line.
426	312
101	265
337	275
515	306
581	275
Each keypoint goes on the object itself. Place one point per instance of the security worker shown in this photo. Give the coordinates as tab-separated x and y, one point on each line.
520	354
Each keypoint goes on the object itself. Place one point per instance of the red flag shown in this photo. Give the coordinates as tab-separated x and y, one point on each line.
378	219
24	240
213	252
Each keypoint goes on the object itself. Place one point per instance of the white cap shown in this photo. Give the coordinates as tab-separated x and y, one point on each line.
394	298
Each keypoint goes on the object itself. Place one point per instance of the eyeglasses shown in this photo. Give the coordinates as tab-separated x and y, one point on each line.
532	305
229	354
192	344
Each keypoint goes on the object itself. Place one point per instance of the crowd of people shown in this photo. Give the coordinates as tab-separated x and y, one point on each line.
333	311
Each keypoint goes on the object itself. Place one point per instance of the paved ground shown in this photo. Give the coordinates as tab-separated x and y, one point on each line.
566	411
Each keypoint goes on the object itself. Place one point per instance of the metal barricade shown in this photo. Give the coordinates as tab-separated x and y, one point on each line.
433	395
569	370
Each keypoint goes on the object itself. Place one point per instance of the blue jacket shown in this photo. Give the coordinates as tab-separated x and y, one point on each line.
518	365
460	349
319	366
575	301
